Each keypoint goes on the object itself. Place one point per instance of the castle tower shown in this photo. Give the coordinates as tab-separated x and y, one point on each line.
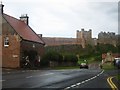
84	37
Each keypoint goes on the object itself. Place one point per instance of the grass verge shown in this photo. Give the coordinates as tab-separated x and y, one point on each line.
108	66
118	77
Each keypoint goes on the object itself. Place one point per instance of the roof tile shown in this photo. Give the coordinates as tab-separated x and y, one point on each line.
23	29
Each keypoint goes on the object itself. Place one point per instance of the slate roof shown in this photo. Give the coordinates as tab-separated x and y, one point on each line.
24	30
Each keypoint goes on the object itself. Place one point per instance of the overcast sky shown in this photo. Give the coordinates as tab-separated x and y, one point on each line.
61	18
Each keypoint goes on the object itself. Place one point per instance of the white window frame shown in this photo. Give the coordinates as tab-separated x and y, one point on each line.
6	41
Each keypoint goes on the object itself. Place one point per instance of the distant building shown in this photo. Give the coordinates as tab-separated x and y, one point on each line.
18	40
84	37
109	57
108	38
55	41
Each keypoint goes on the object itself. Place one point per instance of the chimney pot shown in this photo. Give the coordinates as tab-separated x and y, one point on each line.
24	18
1	8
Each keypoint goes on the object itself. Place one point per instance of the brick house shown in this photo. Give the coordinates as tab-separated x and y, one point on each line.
18	41
109	57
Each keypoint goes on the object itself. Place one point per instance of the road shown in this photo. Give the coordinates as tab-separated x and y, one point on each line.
56	79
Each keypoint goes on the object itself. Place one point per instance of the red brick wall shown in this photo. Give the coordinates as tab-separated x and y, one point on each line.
0	51
11	54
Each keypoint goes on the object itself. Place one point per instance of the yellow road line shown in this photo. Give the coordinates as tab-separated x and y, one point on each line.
113	86
113	83
110	83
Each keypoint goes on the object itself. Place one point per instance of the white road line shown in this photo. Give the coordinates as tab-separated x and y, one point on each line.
92	78
98	75
78	83
29	76
73	85
84	81
67	88
49	74
89	79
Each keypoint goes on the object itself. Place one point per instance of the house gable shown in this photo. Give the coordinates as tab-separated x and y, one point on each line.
23	29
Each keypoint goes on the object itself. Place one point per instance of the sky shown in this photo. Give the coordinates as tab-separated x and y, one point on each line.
62	18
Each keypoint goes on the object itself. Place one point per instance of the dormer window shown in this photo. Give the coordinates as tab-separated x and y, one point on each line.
6	41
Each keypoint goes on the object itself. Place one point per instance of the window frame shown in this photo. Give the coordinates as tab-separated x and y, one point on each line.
6	41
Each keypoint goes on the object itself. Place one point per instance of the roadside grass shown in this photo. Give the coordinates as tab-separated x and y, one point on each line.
108	66
65	67
118	77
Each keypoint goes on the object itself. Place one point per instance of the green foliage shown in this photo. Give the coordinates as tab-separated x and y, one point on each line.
90	53
104	48
70	58
44	61
51	56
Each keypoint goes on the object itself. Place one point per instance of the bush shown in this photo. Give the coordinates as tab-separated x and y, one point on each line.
51	56
44	61
70	58
98	58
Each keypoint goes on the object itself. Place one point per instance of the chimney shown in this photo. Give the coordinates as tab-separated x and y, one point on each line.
24	18
40	35
1	8
82	29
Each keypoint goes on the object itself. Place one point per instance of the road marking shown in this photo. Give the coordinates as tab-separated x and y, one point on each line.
78	83
84	81
89	79
67	88
29	77
112	85
49	74
98	75
73	85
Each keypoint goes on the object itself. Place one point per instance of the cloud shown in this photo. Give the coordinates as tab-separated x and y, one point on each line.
63	17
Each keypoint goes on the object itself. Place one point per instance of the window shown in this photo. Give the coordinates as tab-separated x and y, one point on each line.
6	41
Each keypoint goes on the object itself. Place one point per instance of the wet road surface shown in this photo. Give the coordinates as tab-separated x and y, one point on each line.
56	79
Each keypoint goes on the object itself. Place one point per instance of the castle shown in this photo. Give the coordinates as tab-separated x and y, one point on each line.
84	38
108	38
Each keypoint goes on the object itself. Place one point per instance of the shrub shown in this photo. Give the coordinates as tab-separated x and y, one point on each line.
51	56
70	58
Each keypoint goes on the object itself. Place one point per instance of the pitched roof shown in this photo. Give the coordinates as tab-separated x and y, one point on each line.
23	29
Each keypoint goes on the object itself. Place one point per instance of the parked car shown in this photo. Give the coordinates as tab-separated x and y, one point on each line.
84	64
117	62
